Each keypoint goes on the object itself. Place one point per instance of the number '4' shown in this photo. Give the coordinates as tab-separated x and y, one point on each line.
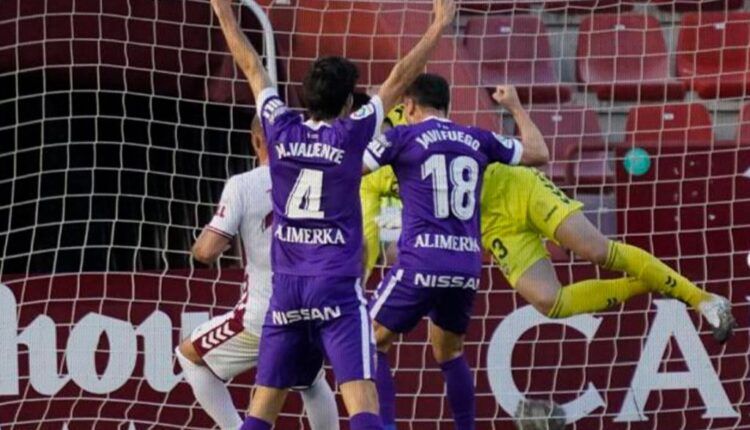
304	200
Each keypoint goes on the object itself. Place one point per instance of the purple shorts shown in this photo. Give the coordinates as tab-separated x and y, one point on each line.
405	296
309	317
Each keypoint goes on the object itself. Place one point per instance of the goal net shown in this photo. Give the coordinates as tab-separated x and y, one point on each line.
121	120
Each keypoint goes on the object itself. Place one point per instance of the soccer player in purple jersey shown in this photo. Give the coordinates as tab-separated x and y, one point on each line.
317	305
439	166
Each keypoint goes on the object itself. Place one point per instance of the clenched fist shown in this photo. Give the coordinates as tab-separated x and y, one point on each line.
507	97
445	12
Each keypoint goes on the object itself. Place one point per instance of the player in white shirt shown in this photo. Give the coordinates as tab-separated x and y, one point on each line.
227	345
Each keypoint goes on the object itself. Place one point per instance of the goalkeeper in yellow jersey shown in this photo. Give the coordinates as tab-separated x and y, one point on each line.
520	207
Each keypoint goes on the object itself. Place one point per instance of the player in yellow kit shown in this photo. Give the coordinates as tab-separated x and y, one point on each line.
519	208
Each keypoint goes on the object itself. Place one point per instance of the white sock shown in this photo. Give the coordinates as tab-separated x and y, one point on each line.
211	393
320	406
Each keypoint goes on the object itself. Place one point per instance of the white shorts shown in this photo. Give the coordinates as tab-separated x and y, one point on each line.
225	346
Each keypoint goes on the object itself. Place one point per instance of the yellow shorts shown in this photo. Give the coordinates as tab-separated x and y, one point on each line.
525	208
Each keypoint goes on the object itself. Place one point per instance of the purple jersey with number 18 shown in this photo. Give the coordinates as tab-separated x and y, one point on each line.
439	166
316	170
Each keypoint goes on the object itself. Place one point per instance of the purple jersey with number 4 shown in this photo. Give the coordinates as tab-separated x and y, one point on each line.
316	169
439	166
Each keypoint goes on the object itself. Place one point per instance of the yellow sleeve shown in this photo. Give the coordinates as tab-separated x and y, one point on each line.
371	192
489	202
396	117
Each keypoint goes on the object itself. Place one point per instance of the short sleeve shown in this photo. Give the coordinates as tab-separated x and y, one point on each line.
499	148
382	150
226	220
364	124
274	112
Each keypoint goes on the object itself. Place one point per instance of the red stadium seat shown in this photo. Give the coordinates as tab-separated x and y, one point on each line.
588	6
624	57
375	36
485	6
470	103
569	132
692	5
682	192
693	179
673	126
713	53
743	131
515	50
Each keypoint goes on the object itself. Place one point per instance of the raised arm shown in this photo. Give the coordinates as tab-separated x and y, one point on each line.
243	52
535	151
407	70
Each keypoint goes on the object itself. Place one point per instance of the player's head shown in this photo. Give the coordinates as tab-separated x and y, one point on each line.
428	95
328	87
258	140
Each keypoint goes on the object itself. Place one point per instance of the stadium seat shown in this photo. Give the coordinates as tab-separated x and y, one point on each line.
692	5
569	132
682	153
673	125
485	6
515	50
470	103
588	6
375	36
697	189
624	57
743	130
713	53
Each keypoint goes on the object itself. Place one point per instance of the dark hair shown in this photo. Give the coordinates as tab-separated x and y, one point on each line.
327	86
430	90
360	99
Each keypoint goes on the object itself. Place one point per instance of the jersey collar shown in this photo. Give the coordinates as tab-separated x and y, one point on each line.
316	125
431	117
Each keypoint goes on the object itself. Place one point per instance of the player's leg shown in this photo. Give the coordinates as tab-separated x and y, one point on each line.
395	308
384	382
264	408
288	356
540	287
449	321
217	351
280	366
320	404
447	347
348	341
209	390
585	240
548	210
578	234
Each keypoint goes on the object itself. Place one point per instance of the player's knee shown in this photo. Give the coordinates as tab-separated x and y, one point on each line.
383	337
446	348
188	351
445	354
595	251
544	302
360	396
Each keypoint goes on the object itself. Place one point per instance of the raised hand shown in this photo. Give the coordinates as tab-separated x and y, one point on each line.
445	12
243	52
507	97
